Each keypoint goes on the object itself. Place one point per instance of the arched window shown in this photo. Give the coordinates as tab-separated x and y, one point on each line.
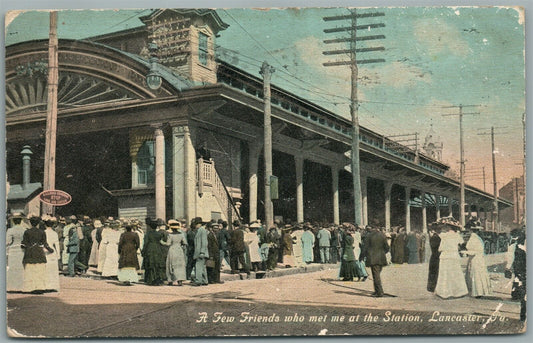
146	164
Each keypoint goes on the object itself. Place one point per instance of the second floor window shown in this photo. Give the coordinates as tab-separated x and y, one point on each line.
202	48
146	164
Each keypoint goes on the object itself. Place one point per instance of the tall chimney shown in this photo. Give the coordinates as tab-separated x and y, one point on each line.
26	157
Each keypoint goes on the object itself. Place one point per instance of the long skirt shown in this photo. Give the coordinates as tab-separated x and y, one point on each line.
15	269
34	277
451	282
348	270
413	257
175	264
110	263
93	258
128	274
360	269
288	260
101	257
477	278
52	273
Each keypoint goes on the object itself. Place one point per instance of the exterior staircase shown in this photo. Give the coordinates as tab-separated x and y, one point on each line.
208	178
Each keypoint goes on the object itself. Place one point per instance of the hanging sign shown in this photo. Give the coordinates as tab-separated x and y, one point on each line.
274	195
55	197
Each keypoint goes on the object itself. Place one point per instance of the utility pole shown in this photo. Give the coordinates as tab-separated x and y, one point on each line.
495	204
524	165
51	113
462	161
495	210
266	71
354	105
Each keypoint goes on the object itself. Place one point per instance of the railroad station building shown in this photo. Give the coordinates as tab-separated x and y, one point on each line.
191	145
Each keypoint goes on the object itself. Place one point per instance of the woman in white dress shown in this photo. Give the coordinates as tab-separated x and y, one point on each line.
15	254
477	278
93	258
252	240
451	280
297	248
106	231
52	258
110	265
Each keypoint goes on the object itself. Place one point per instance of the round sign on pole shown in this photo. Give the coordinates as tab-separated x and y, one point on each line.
55	197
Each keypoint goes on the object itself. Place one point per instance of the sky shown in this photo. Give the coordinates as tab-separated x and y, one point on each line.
435	58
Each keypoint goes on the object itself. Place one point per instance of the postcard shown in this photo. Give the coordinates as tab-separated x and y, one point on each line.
195	172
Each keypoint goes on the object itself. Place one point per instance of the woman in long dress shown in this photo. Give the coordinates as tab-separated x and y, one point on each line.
34	260
110	267
348	269
102	248
297	246
52	258
252	241
359	265
128	264
15	254
176	261
451	281
398	251
412	246
308	241
477	278
154	264
93	258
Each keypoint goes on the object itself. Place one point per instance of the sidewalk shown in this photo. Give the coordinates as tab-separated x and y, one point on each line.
225	274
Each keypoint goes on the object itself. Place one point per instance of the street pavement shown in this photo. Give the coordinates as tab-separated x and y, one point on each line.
295	301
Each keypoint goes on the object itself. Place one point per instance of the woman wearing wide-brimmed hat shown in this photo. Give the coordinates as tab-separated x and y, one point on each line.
451	281
176	261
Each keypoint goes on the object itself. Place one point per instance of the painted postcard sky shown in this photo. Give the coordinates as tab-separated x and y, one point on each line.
435	57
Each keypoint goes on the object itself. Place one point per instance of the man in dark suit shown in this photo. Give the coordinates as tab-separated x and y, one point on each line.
191	234
374	249
223	238
237	249
213	263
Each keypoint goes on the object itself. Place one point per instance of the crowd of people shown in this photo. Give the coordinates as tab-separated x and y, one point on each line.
39	249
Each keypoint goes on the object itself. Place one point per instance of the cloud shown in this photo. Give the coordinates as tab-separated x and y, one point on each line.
439	37
396	74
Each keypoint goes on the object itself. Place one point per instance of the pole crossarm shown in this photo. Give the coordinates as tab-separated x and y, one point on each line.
346	63
357	39
358	27
348	51
351	16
